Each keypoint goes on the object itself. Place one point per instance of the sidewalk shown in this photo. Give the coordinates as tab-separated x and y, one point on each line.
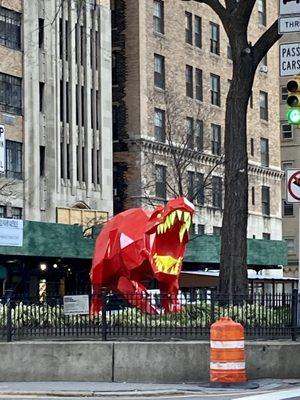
93	389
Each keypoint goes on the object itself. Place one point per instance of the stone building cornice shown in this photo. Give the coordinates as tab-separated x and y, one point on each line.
164	149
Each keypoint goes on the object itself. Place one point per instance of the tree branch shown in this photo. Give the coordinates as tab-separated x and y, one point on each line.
265	42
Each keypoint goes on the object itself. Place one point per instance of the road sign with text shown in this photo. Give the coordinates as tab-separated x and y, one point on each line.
289	59
293	186
288	7
289	24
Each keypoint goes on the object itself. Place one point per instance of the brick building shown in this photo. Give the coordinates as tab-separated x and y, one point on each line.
171	74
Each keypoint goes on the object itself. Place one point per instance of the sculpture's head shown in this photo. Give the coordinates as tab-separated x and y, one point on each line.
167	232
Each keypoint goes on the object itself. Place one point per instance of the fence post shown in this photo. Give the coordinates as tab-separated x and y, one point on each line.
9	320
294	314
212	307
104	322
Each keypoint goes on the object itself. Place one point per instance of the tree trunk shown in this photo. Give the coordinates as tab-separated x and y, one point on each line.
233	266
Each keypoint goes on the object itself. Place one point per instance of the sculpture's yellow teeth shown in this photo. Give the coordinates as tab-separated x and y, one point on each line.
181	232
167	264
182	216
179	214
172	217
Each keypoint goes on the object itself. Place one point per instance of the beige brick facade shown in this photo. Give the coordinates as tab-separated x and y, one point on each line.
141	98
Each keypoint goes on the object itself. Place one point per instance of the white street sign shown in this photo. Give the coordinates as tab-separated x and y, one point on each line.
289	24
289	7
2	149
289	59
293	186
11	232
76	305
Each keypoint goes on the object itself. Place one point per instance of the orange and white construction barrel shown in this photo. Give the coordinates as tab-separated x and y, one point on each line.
227	352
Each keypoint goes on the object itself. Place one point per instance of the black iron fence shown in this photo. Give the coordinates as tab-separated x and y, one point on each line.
263	316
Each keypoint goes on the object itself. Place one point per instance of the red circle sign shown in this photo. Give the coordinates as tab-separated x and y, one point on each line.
294	179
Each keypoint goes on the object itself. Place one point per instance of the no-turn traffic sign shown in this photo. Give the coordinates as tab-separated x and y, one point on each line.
293	186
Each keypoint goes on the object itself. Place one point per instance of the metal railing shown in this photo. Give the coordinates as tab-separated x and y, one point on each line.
263	316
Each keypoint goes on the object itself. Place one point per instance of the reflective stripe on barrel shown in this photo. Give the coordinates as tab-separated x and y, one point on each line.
227	356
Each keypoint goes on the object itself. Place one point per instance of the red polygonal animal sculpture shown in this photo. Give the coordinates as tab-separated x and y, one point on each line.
138	245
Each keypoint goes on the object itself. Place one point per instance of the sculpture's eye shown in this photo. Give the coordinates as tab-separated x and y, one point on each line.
158	215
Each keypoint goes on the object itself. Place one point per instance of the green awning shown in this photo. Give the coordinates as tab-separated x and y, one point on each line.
205	249
2	272
41	239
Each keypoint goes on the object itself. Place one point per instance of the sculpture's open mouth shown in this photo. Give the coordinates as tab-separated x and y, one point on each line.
168	242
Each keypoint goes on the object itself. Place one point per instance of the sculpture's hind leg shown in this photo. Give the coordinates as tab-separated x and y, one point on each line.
136	294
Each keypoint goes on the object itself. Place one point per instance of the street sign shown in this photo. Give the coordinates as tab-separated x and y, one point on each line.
289	24
289	59
2	149
76	305
293	186
287	7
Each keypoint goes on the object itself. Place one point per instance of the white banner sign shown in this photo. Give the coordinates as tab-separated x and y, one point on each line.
2	149
289	7
289	24
293	186
11	232
289	59
76	305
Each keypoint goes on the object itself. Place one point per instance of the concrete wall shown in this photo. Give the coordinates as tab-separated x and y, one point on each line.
163	362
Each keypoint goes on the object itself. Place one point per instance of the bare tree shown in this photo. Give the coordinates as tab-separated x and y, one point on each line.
184	148
235	17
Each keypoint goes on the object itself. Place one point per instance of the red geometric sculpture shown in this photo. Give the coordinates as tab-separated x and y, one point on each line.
137	245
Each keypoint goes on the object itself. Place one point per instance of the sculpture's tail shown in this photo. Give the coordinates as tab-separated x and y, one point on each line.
97	304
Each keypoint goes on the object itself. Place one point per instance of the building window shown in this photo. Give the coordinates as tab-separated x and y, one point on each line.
284	94
158	16
216	230
42	160
159	125
263	103
159	71
10	94
10	28
41	96
262	15
288	209
188	28
215	90
264	152
266	236
217	189
199	84
214	38
2	211
287	165
189	81
190	132
265	200
41	33
290	246
199	135
253	195
251	99
160	181
14	159
216	139
229	52
196	187
252	147
201	229
16	212
286	131
198	31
